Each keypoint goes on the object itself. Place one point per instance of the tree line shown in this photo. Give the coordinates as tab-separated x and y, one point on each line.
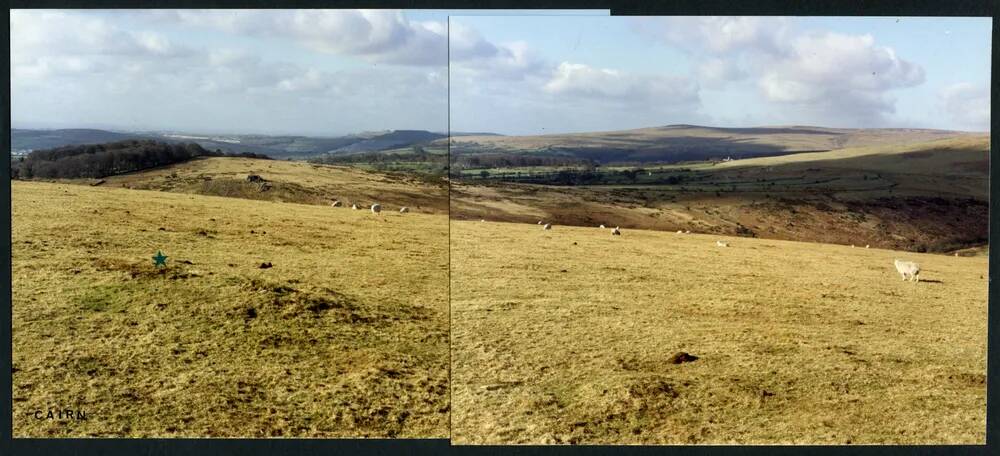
515	160
417	154
102	160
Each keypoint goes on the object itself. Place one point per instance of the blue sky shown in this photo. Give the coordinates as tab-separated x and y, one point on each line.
606	73
317	72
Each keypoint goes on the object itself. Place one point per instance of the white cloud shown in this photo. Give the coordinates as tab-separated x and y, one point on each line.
472	56
717	34
52	43
836	76
309	81
78	68
527	93
716	72
579	80
465	43
822	76
378	36
967	104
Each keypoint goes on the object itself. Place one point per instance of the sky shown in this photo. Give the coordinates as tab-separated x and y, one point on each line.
538	75
315	72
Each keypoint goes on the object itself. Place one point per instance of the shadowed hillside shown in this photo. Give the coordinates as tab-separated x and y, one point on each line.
930	196
276	146
676	143
289	182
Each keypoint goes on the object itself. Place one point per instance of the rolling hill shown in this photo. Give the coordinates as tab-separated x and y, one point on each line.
390	140
678	143
569	336
928	196
311	321
295	147
28	140
288	182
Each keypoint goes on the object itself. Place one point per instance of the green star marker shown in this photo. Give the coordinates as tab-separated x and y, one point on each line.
160	259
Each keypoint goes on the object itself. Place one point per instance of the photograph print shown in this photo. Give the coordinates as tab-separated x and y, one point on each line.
719	230
229	223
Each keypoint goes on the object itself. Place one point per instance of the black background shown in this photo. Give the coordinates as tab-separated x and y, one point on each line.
437	447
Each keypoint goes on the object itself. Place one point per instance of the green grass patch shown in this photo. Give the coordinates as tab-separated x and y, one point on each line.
102	298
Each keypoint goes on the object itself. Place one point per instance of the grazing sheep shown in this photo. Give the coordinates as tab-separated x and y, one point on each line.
867	245
548	226
680	232
602	226
616	232
354	206
722	243
956	253
376	208
404	210
908	269
482	220
687	231
335	204
852	246
539	222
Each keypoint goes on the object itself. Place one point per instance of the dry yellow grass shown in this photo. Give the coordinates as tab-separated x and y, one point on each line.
345	336
564	337
292	182
781	137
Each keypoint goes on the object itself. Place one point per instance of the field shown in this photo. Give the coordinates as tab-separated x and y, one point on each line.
566	337
929	196
674	143
270	319
290	182
427	161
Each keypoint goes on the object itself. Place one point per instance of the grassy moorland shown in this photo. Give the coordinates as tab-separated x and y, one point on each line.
928	196
270	319
675	143
568	337
290	182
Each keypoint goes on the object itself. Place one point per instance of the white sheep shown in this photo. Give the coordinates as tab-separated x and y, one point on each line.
335	204
376	208
680	232
867	246
602	226
616	232
539	222
722	243
687	231
354	206
908	269
404	210
548	226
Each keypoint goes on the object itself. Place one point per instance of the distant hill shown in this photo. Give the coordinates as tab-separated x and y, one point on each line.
464	133
391	140
107	159
288	181
25	140
678	143
283	147
931	196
